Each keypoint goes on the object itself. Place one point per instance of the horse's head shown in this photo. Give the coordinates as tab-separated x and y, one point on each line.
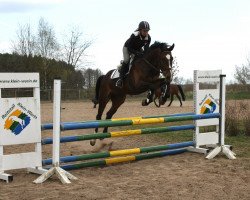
159	54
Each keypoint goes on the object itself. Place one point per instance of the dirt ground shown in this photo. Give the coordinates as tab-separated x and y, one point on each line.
184	176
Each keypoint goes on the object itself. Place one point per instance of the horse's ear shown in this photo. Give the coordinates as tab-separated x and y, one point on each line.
171	48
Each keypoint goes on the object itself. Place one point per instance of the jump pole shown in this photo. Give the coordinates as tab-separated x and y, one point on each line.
63	175
122	152
109	161
63	124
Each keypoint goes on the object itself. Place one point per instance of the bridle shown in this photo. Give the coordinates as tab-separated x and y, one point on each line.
153	66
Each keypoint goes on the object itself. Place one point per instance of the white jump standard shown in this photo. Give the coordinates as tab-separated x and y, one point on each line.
210	101
61	174
20	124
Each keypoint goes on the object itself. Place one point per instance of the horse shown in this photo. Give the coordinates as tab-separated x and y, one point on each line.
174	90
143	75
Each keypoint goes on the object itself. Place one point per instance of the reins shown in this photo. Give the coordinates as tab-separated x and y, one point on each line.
152	66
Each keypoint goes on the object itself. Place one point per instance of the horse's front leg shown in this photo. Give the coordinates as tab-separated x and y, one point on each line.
154	85
157	83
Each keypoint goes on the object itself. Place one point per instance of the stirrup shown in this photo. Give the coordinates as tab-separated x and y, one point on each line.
119	83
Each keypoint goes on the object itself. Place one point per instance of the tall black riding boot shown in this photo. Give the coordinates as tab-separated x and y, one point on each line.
123	72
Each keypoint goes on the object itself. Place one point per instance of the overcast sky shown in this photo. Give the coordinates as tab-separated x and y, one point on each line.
212	34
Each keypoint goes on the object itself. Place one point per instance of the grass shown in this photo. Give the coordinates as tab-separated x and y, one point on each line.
241	144
238	95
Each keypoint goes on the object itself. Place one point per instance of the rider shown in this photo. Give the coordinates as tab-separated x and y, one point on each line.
136	45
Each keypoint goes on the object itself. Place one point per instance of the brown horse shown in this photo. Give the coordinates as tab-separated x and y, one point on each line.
143	75
174	90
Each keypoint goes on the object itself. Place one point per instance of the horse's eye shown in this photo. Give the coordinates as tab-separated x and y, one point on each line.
168	56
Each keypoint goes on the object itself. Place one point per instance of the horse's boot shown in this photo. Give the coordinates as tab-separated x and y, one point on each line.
149	98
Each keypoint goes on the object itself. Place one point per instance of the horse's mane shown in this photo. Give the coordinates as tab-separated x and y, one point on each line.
157	44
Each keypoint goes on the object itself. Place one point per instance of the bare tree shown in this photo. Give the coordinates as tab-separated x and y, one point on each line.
175	69
46	46
75	49
242	74
91	76
25	44
46	42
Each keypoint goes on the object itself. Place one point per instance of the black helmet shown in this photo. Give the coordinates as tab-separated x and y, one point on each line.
143	25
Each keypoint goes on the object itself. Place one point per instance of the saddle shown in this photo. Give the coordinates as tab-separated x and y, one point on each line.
116	73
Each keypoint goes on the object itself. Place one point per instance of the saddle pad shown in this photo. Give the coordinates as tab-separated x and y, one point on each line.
115	74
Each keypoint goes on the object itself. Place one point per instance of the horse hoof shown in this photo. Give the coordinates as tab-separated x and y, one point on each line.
92	142
145	102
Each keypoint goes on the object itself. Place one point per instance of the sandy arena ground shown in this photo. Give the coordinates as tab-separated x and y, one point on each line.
185	176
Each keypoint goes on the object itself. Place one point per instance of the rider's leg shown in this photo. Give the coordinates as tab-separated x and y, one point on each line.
124	67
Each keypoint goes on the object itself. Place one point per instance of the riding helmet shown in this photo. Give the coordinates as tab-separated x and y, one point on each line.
143	25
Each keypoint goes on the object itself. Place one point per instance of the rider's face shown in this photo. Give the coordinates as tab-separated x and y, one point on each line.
144	32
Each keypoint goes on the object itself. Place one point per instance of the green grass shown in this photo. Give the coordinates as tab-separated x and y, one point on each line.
177	136
238	95
241	145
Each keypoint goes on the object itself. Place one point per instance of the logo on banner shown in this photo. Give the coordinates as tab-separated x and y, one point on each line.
209	106
17	121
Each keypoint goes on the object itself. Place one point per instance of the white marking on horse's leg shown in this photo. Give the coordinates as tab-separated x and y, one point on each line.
101	144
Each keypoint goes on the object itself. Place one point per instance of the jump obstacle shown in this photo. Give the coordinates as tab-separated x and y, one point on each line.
209	107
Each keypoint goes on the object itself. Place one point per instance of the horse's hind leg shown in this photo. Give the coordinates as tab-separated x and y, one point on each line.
117	101
178	96
102	104
171	100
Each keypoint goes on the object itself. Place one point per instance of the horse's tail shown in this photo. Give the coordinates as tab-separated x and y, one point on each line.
182	93
97	88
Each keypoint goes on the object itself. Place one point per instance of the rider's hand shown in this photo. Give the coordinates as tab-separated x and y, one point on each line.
139	54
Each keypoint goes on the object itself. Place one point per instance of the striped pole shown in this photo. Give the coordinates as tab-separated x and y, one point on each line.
109	161
120	152
101	124
120	133
50	125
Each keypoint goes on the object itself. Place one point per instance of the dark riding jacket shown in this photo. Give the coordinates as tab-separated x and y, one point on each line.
137	44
